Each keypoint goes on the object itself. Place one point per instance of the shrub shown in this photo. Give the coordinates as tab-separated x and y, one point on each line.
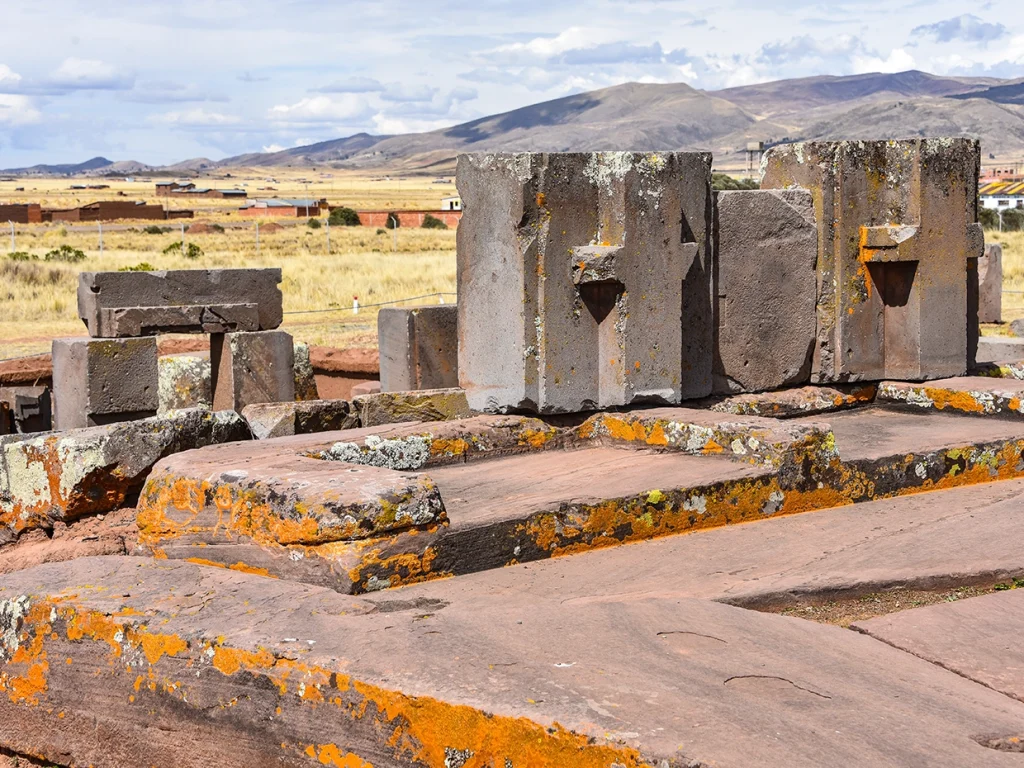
989	218
344	217
142	266
192	250
1013	220
66	254
382	231
432	222
392	221
313	223
22	256
153	229
723	181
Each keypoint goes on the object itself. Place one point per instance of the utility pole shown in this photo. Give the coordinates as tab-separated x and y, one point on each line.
183	238
100	225
257	238
328	236
394	233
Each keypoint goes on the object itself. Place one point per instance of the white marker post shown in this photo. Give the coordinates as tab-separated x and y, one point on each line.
355	305
328	237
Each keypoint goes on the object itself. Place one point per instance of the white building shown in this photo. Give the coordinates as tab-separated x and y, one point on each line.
1002	195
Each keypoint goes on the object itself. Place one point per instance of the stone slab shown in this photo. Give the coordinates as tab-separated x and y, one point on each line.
205	289
584	280
100	381
249	368
897	228
419	347
990	284
322	678
975	395
269	420
379	408
999	349
63	476
767	252
793	403
978	638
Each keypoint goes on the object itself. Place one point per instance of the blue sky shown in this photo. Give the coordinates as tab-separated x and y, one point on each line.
162	82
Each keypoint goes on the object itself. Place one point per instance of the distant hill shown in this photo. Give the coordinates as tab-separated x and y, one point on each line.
643	116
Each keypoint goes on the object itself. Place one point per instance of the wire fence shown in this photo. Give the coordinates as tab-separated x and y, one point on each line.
349	308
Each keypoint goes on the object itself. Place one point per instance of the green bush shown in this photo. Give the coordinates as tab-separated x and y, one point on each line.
392	221
192	250
154	229
1013	220
313	224
142	266
432	222
723	181
22	256
382	231
344	217
989	218
65	253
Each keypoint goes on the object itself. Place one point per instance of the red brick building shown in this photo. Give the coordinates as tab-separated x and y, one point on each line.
408	218
26	213
276	208
112	210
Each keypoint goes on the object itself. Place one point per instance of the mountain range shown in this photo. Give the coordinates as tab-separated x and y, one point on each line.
674	116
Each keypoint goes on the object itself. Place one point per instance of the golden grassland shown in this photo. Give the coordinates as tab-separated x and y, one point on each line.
38	298
1013	277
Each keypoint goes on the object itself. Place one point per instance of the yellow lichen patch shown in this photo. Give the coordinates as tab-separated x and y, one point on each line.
958	401
440	447
156	646
228	661
397	570
536	438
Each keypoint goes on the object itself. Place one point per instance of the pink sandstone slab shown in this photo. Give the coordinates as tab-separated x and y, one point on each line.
122	661
979	638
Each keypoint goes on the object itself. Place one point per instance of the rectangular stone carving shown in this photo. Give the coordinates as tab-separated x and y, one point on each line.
119	322
251	368
896	227
182	301
990	284
103	381
419	347
584	279
767	248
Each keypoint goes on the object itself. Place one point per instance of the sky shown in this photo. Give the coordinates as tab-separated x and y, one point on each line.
161	82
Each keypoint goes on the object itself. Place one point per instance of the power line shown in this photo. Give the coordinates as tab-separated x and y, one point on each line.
363	306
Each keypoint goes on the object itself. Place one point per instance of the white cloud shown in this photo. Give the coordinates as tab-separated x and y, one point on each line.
273	148
8	76
386	124
17	110
898	60
193	118
323	109
352	85
89	74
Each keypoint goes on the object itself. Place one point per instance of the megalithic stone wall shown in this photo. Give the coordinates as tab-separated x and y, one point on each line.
896	227
584	279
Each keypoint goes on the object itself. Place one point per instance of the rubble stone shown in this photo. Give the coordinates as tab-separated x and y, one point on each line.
100	381
300	418
305	380
425	405
897	225
184	381
584	279
419	347
252	368
767	246
183	301
370	387
68	475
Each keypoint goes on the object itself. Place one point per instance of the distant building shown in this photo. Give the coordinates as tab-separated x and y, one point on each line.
168	188
408	218
1014	172
27	213
164	188
276	208
453	203
112	210
1002	195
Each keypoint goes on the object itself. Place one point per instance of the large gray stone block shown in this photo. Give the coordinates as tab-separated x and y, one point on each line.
251	368
185	381
419	347
897	224
990	284
102	381
584	279
767	248
117	304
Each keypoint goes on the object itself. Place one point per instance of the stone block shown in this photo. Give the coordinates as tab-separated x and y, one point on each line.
30	408
990	284
897	226
184	381
305	379
1000	349
300	418
767	250
371	387
252	368
64	476
101	381
425	405
419	347
116	304
584	280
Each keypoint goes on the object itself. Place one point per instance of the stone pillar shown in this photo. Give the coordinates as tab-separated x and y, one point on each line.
990	284
249	368
102	381
584	279
419	347
767	249
897	224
